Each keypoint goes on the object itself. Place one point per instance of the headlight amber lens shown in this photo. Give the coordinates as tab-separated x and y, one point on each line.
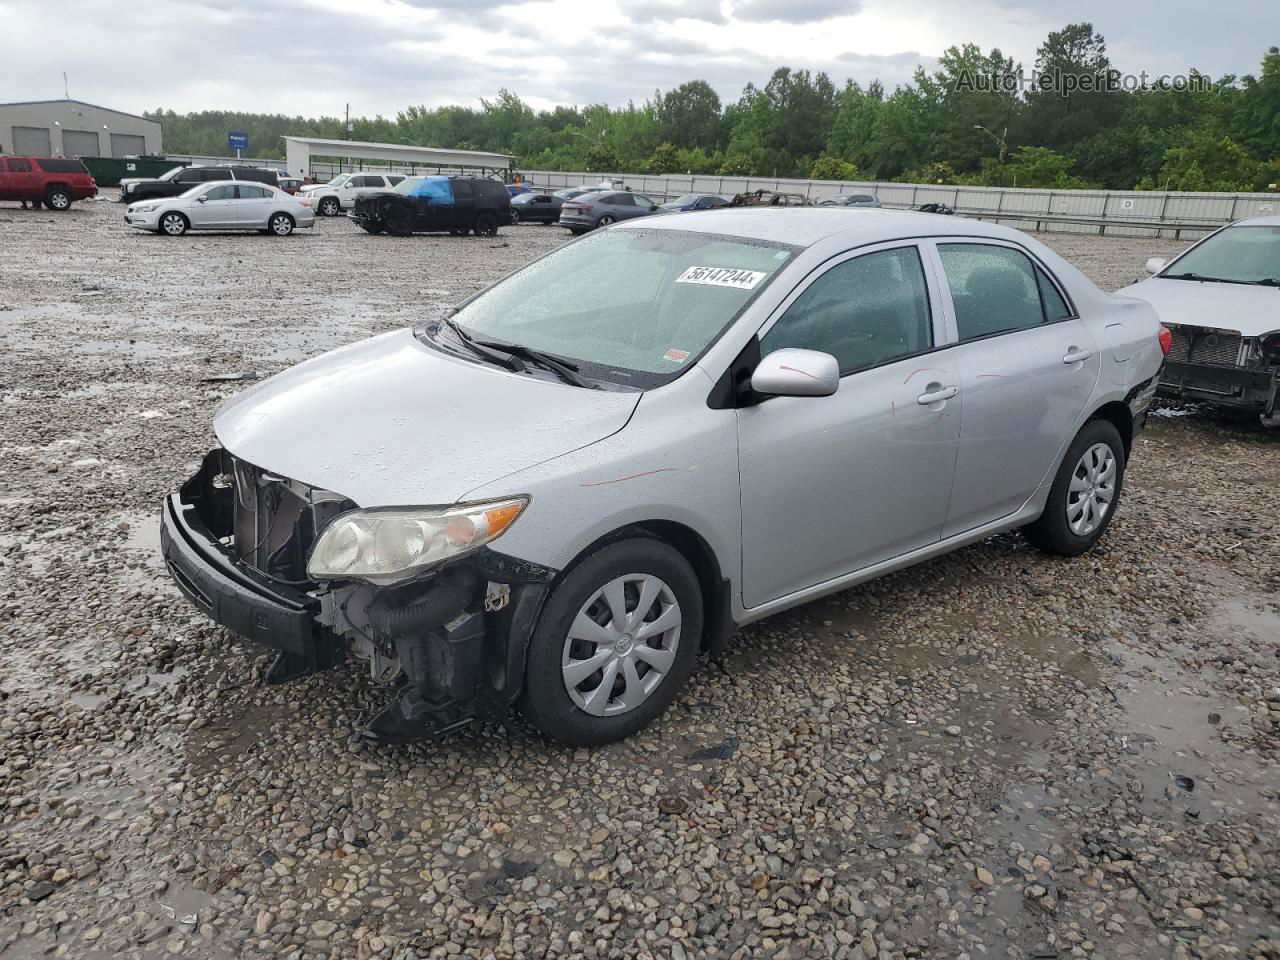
383	546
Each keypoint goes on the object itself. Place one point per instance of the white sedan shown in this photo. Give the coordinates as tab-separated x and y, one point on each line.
1221	303
223	205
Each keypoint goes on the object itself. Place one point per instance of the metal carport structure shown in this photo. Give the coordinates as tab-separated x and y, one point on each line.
312	156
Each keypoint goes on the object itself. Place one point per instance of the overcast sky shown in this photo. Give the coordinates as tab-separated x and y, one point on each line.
310	57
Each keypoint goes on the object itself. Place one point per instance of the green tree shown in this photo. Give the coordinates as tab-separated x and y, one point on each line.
827	167
690	116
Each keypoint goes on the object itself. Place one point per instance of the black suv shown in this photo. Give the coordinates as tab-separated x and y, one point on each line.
181	179
423	204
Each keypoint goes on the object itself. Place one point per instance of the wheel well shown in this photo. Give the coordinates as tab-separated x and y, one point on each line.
1118	415
717	623
50	187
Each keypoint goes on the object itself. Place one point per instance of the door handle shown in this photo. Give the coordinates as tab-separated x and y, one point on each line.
1077	356
937	396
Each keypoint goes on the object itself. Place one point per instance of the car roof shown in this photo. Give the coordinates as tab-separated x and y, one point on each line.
806	226
1272	221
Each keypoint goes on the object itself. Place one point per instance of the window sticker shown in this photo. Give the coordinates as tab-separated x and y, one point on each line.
722	277
676	356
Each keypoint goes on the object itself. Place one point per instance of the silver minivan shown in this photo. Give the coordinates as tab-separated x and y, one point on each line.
555	497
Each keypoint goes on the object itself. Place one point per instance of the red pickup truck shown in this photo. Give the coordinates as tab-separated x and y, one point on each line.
54	181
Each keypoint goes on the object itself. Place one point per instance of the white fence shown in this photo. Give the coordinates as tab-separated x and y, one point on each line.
1131	213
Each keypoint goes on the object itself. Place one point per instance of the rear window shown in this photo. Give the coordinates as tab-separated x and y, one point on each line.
60	165
490	189
18	166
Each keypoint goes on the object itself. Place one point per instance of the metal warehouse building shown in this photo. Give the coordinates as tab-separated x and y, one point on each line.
73	128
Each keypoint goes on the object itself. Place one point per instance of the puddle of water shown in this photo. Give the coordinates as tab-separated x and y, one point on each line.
89	701
151	684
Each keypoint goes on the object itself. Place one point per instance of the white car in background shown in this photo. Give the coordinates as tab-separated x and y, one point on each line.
341	193
223	206
1221	301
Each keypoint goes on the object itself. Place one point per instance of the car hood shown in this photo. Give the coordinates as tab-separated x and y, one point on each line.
393	422
1252	311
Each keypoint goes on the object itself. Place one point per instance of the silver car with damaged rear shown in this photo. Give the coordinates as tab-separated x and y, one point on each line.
560	494
1221	301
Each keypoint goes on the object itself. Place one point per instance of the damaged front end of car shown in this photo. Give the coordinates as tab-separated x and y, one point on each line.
416	593
1224	367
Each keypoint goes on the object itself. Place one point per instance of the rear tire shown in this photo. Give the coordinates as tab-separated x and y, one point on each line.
174	224
1085	493
515	216
604	221
486	225
58	198
280	224
329	207
578	625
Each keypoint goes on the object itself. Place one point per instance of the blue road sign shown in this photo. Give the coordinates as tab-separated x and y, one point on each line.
238	141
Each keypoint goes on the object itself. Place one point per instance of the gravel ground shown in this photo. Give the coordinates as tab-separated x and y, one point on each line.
995	754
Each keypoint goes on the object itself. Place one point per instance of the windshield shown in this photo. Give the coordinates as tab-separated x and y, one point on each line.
631	306
339	180
687	200
170	174
1237	254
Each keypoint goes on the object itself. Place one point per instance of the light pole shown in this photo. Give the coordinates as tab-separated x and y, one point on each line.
1000	141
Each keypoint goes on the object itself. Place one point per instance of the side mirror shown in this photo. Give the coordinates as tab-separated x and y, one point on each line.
203	198
796	373
653	206
1156	264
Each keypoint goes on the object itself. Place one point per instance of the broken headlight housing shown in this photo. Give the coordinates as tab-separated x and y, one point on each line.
387	545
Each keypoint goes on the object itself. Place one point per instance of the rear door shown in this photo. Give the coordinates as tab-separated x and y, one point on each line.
252	205
464	203
1028	365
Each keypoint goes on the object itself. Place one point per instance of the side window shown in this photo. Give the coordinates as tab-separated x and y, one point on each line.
249	191
223	192
993	288
621	200
864	312
18	166
462	190
1055	308
394	180
189	175
642	201
216	173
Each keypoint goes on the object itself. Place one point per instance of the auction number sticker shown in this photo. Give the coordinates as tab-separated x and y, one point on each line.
722	277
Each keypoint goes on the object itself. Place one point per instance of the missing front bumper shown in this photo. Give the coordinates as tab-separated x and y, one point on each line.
1232	386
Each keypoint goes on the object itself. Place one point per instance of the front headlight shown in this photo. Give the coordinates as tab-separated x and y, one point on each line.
145	207
383	546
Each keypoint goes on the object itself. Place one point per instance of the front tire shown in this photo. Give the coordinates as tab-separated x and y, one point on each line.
280	224
174	224
329	207
58	199
616	641
515	216
1085	493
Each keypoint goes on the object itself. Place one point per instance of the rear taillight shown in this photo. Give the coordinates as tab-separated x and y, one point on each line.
1166	339
584	207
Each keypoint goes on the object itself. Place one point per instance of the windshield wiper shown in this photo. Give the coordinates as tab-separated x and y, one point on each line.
1203	279
564	369
1266	282
493	352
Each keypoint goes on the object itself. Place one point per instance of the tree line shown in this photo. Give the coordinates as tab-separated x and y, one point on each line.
970	121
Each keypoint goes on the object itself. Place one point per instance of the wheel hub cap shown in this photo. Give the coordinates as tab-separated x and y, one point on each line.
1092	490
621	645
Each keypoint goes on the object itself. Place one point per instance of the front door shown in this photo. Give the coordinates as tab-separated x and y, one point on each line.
835	484
1028	366
217	211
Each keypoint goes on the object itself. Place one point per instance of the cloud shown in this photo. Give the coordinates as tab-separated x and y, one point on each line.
794	11
666	11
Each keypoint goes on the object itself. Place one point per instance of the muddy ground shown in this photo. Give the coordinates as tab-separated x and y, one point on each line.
995	754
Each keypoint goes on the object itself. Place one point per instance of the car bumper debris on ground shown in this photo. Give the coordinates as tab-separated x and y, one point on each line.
997	753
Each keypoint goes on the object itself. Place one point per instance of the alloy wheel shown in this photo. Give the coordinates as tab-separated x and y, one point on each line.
173	225
281	225
1092	489
621	645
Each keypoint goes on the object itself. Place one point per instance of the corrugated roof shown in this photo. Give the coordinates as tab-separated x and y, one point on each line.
83	103
424	152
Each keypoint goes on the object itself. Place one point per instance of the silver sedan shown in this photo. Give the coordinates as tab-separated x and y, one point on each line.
223	205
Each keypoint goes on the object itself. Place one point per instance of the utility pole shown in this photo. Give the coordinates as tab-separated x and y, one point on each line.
66	88
348	121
